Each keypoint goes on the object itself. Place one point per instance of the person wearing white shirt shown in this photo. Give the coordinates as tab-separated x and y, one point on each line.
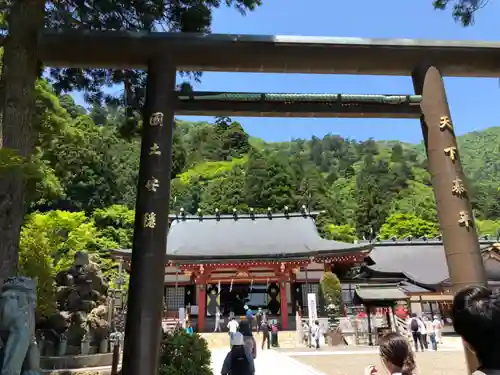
431	334
233	327
438	326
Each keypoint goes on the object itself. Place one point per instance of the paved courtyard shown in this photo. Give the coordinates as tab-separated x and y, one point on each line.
343	362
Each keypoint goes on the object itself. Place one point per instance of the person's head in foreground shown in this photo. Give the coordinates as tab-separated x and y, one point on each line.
237	340
476	318
395	354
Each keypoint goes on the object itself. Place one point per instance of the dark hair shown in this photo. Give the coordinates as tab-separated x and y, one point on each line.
476	318
245	328
414	315
394	349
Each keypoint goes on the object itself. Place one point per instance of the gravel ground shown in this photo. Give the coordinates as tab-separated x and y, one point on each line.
428	363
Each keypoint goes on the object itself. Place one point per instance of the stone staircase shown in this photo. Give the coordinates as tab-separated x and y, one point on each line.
215	340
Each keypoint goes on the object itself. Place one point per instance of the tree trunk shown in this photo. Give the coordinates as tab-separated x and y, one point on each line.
20	71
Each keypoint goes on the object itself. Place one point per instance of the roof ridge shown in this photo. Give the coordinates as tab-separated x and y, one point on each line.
182	216
486	239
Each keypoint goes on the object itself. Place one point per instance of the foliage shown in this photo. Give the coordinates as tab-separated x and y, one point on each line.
184	354
462	10
332	293
49	242
342	233
407	225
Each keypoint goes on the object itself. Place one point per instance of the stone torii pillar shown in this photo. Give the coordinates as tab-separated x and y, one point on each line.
145	301
454	210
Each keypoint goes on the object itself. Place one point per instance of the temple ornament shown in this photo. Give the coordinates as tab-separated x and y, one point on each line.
154	150
465	219
153	184
156	119
150	220
451	152
445	123
458	188
19	353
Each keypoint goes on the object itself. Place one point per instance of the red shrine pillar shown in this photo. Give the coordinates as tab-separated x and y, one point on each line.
202	305
284	305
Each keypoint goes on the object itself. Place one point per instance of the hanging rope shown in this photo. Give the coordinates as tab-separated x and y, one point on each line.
251	290
267	291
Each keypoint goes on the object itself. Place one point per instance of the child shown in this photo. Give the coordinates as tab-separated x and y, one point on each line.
189	329
238	361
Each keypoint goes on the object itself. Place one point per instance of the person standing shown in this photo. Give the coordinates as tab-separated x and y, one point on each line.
431	333
415	327
217	320
438	326
249	315
233	327
238	360
249	340
264	328
423	332
258	318
317	333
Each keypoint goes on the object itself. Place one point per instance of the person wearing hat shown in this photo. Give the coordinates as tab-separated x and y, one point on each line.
239	360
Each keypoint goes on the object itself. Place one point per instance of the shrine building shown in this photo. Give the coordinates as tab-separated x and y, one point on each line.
269	261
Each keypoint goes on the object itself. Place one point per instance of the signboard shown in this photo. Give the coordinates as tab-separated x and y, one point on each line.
312	308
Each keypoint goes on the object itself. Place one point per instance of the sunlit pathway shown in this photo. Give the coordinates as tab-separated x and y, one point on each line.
267	363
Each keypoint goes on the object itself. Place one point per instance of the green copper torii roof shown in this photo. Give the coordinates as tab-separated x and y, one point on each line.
299	98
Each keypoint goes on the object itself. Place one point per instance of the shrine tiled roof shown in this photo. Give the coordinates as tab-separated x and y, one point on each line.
420	260
249	236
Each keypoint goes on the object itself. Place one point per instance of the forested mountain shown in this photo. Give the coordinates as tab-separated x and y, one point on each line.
84	164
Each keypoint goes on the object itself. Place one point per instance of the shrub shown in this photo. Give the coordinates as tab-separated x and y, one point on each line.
184	354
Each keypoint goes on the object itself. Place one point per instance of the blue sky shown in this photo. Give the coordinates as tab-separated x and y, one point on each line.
472	100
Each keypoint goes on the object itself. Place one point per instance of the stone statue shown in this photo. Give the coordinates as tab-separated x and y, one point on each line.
18	348
82	300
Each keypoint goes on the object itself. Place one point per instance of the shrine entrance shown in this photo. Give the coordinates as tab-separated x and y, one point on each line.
235	298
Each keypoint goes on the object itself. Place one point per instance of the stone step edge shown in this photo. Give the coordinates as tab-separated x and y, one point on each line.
79	370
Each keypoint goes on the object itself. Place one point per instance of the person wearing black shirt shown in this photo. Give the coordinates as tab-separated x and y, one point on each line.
264	327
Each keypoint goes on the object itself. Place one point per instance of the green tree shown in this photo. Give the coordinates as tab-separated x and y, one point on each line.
48	245
341	233
116	224
407	225
371	197
331	290
462	10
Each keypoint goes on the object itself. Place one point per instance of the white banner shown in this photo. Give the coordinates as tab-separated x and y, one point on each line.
312	308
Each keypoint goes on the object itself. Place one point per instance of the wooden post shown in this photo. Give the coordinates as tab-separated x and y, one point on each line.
145	297
202	305
454	210
283	306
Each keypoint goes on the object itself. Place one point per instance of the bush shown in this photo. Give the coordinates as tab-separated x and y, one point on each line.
184	354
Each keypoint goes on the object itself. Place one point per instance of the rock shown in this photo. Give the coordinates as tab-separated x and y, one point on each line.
83	304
